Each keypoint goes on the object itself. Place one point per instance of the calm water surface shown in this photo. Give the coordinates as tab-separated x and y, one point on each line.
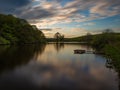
53	67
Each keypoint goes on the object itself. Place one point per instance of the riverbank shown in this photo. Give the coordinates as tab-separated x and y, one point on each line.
113	52
109	44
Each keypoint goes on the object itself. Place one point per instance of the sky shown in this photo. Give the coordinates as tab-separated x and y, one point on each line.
69	17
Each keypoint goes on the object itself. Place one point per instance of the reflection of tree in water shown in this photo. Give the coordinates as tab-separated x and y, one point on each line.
12	56
112	64
86	47
119	79
39	49
58	46
109	63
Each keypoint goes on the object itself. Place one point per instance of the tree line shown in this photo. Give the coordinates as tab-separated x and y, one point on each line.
14	30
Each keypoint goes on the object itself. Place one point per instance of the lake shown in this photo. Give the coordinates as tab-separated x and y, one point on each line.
53	67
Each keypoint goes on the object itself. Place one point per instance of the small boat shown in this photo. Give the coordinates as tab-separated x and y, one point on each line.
78	51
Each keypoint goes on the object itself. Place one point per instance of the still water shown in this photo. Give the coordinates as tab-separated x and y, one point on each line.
54	67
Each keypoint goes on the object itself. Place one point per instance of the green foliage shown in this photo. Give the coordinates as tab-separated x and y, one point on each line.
4	41
99	41
18	31
114	53
107	43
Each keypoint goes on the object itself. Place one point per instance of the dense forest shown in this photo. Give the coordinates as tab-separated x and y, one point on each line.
14	30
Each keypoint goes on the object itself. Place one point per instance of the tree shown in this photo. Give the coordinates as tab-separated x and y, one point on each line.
108	35
58	37
61	37
88	37
107	31
18	31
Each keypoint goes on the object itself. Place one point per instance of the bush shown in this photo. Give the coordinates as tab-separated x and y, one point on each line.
4	41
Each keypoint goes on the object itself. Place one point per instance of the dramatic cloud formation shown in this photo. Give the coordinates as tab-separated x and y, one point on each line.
9	6
49	13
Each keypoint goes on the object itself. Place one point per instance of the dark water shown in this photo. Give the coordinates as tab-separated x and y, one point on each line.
54	67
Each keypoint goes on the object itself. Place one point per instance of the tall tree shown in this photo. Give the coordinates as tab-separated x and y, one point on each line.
58	37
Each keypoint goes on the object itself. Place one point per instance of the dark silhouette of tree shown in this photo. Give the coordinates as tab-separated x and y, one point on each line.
107	31
62	38
58	37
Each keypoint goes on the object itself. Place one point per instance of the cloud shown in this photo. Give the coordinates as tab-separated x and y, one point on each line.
35	13
67	32
106	8
58	13
9	6
46	29
43	13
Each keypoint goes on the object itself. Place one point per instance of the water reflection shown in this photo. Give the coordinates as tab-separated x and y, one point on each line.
119	79
12	56
110	65
60	71
58	46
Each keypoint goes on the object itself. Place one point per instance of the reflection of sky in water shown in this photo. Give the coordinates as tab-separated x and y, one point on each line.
65	69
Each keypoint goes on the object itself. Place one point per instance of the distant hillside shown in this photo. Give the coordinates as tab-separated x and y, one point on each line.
18	31
88	38
76	39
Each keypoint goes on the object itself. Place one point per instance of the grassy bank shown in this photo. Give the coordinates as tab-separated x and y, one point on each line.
107	43
113	52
